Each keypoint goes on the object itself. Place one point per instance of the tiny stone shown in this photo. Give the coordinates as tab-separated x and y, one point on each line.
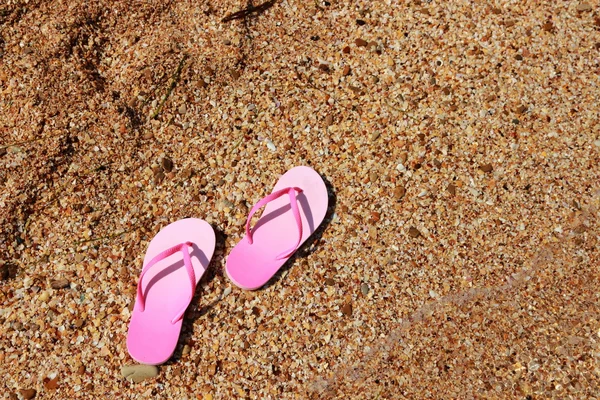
582	7
548	26
234	74
361	42
347	309
78	323
167	164
399	192
51	384
329	282
8	271
324	67
186	350
364	289
346	50
346	70
211	369
44	296
139	373
328	120
27	394
373	176
451	189
375	135
182	109
414	232
87	209
486	167
148	135
521	109
360	22
59	283
159	177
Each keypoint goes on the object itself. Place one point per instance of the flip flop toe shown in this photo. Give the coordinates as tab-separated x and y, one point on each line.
176	259
293	211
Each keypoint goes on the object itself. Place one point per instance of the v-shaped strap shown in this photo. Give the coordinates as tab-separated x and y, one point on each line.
294	205
187	262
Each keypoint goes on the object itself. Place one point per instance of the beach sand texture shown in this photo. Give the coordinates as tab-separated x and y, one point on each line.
460	143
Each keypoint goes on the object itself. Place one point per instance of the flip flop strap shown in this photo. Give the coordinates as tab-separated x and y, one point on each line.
291	191
183	247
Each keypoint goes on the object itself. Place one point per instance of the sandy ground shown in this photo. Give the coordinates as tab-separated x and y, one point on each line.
460	143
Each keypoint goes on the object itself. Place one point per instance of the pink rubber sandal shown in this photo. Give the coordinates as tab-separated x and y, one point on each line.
174	263
293	212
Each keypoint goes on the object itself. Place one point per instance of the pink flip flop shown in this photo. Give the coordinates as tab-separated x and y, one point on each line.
174	263
293	212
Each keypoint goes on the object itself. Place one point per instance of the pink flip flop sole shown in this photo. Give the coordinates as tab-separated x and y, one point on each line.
166	288
251	263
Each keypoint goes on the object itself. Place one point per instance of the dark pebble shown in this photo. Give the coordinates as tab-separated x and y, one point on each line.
414	232
347	309
8	271
167	164
486	167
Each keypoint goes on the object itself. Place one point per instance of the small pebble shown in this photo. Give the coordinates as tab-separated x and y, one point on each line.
44	296
167	164
28	394
159	177
60	283
451	189
148	135
373	176
329	282
583	7
364	289
324	67
347	309
182	109
211	369
270	145
414	232
399	192
8	271
139	373
186	350
346	70
361	42
51	384
486	167
328	120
